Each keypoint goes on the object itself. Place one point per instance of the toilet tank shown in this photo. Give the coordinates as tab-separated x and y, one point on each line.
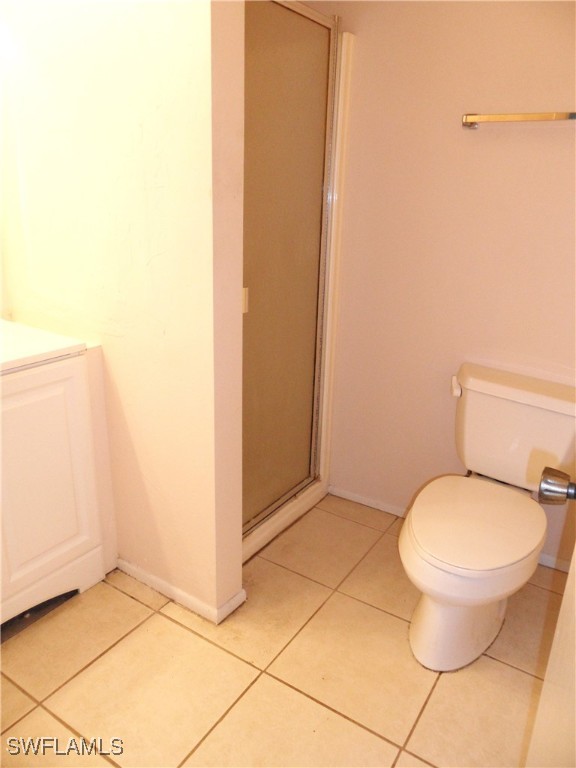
509	426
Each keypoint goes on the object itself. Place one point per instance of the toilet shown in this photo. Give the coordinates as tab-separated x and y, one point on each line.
469	542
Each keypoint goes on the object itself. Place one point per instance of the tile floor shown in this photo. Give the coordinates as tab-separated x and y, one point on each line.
313	670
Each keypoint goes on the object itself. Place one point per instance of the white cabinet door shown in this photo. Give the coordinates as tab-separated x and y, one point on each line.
49	509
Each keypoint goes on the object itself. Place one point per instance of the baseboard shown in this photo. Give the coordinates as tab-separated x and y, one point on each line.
554	562
283	518
215	615
368	502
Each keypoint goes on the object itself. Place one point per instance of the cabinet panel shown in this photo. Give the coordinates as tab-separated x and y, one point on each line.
49	516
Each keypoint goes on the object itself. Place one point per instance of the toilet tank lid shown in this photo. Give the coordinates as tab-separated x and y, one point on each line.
529	390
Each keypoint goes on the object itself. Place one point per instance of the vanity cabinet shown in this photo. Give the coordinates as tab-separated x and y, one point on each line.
51	539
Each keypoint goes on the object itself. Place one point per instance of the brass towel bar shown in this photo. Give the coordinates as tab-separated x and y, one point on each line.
472	121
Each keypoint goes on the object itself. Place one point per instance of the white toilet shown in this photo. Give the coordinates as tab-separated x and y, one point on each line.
470	542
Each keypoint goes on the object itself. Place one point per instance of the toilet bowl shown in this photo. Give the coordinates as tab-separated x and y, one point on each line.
467	544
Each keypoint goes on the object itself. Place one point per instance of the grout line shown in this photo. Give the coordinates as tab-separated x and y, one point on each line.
200	636
545	589
347	574
423	707
158	611
297	633
42	703
137	599
509	665
196	633
78	733
39	705
265	670
291	570
37	702
366	525
376	607
334	590
95	659
220	719
324	705
412	754
364	556
19	686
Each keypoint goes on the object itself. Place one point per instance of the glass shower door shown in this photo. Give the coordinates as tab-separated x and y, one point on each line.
288	75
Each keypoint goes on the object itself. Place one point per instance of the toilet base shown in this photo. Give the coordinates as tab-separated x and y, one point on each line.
446	637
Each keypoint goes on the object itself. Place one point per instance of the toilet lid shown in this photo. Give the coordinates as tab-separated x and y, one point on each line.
476	524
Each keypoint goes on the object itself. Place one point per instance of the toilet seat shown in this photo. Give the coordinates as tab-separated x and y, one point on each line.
469	525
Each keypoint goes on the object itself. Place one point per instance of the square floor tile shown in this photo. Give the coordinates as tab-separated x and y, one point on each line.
15	703
479	716
137	590
41	733
526	637
273	725
359	513
279	603
160	690
357	660
58	645
380	579
322	546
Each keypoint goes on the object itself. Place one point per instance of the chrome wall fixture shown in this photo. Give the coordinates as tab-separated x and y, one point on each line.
473	121
555	487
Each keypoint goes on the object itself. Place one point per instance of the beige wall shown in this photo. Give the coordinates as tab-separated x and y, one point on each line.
109	235
457	244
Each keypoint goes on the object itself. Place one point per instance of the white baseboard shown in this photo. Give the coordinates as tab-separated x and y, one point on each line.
215	615
367	501
554	562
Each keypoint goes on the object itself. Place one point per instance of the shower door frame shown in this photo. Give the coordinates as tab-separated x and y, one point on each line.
316	487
